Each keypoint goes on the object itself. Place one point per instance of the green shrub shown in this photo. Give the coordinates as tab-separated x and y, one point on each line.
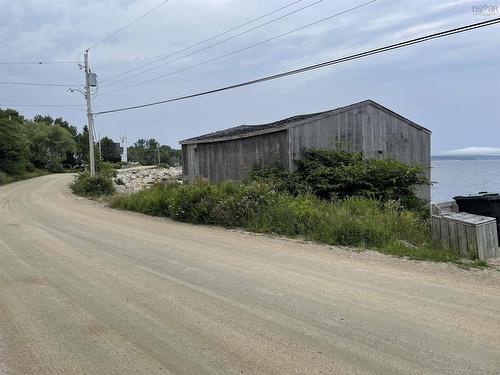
258	207
92	186
107	169
334	174
6	178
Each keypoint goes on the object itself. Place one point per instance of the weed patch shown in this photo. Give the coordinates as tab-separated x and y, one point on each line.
92	186
7	178
258	207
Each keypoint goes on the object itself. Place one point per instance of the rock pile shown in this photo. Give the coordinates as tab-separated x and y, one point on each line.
132	180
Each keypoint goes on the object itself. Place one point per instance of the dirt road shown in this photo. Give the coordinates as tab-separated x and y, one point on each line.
89	290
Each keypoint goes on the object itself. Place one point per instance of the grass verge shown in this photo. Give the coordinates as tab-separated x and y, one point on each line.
257	207
7	178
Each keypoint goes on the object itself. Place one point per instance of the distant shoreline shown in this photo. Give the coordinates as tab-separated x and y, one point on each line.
464	157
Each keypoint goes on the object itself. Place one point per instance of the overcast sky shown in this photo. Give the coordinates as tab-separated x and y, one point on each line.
451	86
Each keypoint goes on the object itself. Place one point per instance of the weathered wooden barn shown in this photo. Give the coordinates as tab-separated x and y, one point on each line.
366	127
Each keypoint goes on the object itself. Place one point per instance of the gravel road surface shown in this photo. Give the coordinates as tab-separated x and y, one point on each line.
89	290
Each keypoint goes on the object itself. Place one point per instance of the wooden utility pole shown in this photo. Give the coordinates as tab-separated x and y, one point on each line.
90	118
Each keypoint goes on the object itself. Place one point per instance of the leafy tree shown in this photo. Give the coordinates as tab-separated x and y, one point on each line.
169	155
70	159
43	119
151	152
146	152
11	115
54	144
110	151
82	147
332	174
14	149
66	125
49	145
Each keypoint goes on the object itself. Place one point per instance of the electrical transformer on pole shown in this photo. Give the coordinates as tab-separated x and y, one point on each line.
90	81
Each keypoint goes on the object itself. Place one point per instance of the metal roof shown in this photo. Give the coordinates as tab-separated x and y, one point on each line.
252	130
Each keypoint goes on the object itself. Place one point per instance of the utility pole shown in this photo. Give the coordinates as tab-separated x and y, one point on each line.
159	161
90	118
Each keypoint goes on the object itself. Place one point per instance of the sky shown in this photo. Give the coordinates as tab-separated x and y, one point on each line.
450	86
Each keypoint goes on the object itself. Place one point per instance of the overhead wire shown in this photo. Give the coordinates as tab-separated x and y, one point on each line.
217	43
209	39
70	107
23	102
36	62
244	48
39	84
307	68
203	41
127	25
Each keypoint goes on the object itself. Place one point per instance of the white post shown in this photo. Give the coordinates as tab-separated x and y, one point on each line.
124	148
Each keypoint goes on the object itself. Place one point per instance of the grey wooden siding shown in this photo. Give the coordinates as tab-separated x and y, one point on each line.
189	161
233	159
375	133
341	129
366	127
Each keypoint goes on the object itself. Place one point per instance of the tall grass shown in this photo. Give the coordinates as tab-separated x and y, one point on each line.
257	207
7	178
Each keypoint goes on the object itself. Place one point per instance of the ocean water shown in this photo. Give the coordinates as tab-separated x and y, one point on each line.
463	176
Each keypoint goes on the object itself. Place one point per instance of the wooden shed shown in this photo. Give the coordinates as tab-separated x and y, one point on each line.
366	127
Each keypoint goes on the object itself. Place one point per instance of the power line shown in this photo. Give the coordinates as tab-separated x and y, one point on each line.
15	103
129	24
245	48
40	106
217	43
203	41
359	55
36	62
38	84
10	101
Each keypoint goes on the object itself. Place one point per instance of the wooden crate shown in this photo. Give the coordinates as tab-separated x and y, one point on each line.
470	236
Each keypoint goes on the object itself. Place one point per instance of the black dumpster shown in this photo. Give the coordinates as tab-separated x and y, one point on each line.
486	204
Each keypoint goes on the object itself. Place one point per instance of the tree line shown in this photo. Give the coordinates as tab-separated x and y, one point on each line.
146	152
54	145
40	143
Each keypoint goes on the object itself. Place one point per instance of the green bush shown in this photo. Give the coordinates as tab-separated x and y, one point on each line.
334	174
107	169
260	208
6	178
92	186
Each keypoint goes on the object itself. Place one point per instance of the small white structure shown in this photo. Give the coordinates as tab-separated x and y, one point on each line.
123	145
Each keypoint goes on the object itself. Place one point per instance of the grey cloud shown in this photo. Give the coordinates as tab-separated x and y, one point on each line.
438	84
